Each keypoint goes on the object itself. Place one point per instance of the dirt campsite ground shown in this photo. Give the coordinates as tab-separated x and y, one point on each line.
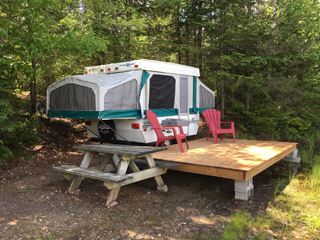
35	204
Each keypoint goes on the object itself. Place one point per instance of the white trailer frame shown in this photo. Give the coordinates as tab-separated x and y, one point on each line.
131	125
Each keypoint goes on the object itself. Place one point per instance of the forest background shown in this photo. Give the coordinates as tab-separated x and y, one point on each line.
261	57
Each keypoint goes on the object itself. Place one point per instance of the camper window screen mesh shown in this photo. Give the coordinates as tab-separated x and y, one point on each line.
73	97
122	97
206	98
162	92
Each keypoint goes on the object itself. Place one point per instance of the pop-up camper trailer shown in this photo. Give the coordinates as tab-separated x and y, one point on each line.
113	99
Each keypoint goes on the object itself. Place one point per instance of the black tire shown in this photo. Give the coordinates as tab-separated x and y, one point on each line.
105	131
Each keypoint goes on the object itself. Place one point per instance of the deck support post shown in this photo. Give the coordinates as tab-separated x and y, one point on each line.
293	157
243	189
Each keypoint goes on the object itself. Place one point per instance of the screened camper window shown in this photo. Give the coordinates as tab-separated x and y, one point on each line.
122	97
73	97
162	92
206	98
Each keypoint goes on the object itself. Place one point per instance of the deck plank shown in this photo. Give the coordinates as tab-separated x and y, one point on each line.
240	160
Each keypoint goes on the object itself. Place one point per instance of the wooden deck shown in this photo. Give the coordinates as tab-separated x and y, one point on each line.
239	161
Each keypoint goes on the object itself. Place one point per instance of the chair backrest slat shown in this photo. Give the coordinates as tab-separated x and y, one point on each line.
213	117
155	123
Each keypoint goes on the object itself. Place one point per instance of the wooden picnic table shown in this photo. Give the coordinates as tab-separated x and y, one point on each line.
113	170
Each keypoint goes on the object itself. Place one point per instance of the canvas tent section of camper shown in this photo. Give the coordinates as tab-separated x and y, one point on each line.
127	90
95	96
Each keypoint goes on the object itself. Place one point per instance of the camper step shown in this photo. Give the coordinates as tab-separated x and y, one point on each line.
158	163
92	173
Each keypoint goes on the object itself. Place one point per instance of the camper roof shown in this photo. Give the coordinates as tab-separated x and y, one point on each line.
143	64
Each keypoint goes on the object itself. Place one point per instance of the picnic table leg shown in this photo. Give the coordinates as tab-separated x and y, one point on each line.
107	159
116	160
161	186
133	166
84	164
113	194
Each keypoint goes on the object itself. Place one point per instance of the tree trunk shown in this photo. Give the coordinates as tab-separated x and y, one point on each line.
200	49
248	94
187	43
47	81
128	54
128	15
222	103
248	100
33	89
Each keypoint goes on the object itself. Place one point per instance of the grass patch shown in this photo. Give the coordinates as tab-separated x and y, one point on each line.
298	208
200	203
294	212
243	226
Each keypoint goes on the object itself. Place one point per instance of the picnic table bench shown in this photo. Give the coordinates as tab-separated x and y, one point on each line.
113	170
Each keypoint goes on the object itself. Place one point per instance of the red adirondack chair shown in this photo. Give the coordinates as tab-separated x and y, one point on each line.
213	117
161	138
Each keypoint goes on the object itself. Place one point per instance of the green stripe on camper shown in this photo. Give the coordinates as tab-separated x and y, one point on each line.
164	112
200	110
73	114
120	114
145	76
194	94
95	114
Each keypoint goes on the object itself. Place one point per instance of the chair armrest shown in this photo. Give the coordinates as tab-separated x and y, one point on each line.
172	127
163	127
232	123
180	127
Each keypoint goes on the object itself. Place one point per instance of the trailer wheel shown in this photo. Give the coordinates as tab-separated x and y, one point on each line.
105	131
167	143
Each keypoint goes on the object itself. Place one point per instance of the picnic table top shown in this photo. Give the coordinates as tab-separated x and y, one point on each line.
127	150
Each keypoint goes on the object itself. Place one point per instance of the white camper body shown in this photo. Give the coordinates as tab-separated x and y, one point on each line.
114	98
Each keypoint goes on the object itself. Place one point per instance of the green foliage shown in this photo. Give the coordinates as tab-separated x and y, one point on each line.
35	33
266	66
262	58
16	133
5	154
24	135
